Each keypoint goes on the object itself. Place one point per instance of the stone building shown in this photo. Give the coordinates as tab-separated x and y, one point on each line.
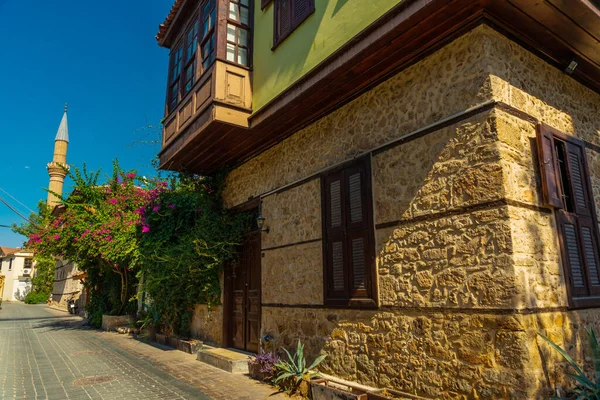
427	174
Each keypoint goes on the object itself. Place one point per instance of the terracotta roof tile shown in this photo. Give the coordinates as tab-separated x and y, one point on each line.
7	251
164	27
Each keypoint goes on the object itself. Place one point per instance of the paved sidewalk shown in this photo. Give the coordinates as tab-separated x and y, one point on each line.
218	384
45	354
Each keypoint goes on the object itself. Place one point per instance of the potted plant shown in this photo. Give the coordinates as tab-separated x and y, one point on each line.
294	377
150	322
263	366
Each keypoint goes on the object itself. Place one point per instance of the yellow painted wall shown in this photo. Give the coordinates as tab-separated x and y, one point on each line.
333	23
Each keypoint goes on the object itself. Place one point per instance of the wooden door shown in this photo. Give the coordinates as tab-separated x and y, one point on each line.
245	296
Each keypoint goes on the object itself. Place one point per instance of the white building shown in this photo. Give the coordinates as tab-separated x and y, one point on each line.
16	270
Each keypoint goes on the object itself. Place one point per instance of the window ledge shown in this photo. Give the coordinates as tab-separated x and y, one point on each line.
351	303
585	302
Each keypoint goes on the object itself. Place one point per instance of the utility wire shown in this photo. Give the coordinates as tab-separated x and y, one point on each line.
17	200
16	212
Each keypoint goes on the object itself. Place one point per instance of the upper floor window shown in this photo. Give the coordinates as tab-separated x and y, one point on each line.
10	264
174	76
191	44
348	235
289	14
238	32
567	188
208	19
28	263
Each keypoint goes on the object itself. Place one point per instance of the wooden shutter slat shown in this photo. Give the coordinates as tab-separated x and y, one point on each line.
337	266
301	9
579	179
358	264
355	193
572	253
335	202
284	17
551	195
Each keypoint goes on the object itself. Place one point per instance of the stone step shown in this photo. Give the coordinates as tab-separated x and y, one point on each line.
230	360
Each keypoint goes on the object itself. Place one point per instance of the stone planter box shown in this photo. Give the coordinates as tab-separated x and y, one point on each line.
255	372
322	389
189	346
112	322
163	339
391	394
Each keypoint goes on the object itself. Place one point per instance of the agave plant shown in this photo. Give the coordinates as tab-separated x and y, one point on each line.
295	368
586	389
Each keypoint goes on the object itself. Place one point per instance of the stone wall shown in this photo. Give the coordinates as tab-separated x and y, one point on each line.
66	286
207	324
468	260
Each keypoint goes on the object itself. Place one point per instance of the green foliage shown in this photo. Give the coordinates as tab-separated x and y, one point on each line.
37	297
295	369
586	389
189	237
173	236
43	280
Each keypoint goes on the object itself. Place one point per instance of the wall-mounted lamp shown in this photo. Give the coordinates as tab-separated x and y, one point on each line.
571	67
260	220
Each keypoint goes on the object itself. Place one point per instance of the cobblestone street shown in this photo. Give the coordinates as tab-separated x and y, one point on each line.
45	354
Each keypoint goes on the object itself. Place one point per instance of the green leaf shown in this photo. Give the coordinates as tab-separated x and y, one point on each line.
595	353
564	355
317	361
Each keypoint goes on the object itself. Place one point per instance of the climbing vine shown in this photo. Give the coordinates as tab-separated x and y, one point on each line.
172	237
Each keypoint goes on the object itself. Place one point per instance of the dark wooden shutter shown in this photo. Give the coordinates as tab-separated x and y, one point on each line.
284	18
551	194
336	279
348	233
578	179
572	253
357	229
578	223
301	10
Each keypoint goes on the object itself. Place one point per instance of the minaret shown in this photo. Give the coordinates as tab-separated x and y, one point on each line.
55	168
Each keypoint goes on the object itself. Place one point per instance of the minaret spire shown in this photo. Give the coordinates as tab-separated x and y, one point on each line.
56	168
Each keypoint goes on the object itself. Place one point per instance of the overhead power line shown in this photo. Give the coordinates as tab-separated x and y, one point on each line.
16	212
17	200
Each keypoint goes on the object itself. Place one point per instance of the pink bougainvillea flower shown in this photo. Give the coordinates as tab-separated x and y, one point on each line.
156	208
200	210
145	229
172	206
164	184
130	176
112	201
56	237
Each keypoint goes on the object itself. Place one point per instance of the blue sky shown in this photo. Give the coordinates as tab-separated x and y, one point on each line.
101	58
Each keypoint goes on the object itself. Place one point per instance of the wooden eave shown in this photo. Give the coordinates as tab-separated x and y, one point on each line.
558	31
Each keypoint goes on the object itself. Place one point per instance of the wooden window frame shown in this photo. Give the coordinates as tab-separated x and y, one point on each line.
210	35
568	212
239	25
189	61
174	78
369	300
295	20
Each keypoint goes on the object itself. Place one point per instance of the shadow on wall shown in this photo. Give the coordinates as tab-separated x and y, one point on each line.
446	277
21	294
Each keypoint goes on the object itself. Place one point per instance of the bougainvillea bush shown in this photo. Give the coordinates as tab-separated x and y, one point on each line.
174	236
